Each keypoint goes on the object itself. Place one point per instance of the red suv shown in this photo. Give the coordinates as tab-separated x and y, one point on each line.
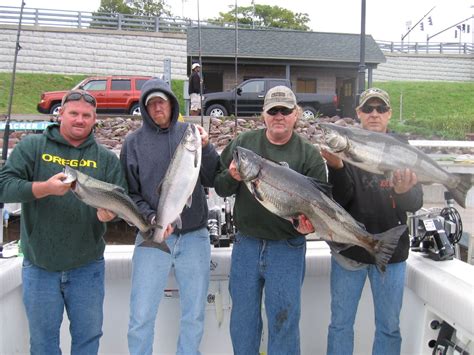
113	94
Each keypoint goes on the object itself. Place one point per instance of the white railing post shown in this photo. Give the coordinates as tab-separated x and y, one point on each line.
120	19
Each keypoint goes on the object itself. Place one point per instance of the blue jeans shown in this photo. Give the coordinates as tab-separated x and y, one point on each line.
387	293
191	258
279	267
46	294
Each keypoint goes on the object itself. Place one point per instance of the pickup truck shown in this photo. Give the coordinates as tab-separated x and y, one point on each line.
113	94
250	95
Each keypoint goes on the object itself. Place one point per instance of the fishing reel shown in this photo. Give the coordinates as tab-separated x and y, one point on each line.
435	232
220	224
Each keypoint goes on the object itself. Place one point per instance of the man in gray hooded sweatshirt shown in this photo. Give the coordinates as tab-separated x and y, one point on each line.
145	156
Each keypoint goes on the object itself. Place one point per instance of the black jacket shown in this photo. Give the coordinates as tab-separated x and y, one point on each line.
194	83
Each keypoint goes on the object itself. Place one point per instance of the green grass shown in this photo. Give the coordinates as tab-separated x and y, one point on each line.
28	89
432	109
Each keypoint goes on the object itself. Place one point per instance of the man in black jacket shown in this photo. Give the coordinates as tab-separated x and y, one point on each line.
380	204
194	90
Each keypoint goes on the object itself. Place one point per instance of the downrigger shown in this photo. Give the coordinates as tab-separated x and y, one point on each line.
436	232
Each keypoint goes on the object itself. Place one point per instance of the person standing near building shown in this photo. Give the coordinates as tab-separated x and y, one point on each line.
268	252
379	204
61	237
194	90
146	155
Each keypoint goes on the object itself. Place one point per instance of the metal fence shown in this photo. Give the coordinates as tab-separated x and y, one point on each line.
102	20
435	47
81	19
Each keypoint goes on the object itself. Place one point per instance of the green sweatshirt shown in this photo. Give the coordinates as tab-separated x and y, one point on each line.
58	233
250	217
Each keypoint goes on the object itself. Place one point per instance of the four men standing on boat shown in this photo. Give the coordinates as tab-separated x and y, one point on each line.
63	244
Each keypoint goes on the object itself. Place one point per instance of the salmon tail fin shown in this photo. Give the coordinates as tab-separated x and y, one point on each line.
386	245
151	244
460	192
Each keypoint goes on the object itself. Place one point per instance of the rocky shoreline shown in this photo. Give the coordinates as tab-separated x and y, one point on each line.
111	131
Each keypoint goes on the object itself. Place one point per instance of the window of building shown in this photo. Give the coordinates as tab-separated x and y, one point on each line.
306	85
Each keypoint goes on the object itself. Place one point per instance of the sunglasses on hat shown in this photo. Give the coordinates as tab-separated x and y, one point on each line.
76	96
285	111
378	108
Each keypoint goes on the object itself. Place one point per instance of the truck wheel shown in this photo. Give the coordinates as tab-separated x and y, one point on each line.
216	110
135	110
54	110
309	113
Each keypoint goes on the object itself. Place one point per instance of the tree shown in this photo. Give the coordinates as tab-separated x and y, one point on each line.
137	7
265	16
107	14
150	8
114	7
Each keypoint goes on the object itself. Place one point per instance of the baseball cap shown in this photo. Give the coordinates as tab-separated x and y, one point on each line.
156	94
374	93
195	65
279	96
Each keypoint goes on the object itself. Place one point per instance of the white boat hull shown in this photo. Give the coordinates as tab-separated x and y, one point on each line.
434	291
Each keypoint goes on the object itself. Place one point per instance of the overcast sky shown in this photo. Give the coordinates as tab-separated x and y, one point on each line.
386	19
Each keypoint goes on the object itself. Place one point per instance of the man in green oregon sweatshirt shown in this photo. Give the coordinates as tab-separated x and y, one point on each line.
61	237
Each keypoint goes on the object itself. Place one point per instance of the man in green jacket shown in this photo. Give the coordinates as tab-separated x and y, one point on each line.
268	251
61	237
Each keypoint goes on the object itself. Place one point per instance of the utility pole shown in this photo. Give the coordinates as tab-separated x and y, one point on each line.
421	19
448	28
361	82
236	55
253	17
201	87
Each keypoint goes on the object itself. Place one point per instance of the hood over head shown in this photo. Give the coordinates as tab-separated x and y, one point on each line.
151	87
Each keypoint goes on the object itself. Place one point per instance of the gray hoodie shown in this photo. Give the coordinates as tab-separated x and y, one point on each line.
146	155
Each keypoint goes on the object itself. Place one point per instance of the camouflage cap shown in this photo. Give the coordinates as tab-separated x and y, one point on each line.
279	96
374	93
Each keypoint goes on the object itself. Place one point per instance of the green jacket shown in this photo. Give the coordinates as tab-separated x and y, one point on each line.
250	217
58	233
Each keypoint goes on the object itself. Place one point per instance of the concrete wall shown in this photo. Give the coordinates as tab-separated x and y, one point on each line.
425	67
84	51
92	52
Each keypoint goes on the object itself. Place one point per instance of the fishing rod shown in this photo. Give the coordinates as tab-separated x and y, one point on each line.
6	133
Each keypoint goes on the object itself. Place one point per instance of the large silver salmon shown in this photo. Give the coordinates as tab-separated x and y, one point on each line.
380	153
289	194
177	187
100	194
